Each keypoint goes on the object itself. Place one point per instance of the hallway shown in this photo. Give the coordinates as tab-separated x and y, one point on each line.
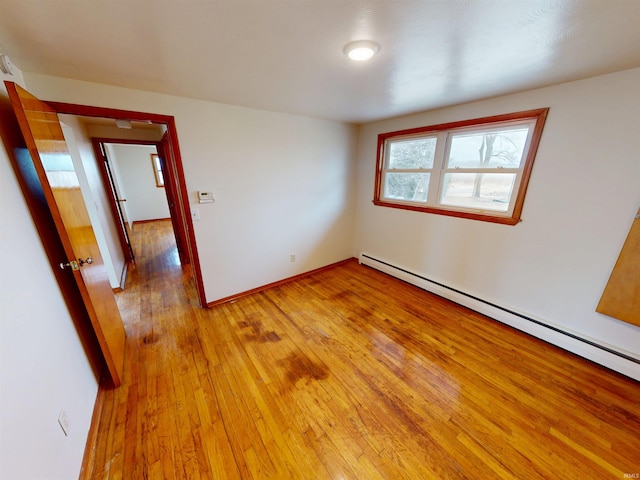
346	374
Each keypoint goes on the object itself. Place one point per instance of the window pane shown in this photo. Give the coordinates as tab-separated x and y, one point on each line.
414	153
406	186
488	149
485	191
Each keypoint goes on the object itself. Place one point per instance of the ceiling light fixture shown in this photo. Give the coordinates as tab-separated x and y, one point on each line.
123	124
6	66
361	50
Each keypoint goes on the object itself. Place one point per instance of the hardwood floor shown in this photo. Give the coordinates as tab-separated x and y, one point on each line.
347	374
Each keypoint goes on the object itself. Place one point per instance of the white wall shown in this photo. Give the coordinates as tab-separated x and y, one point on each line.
283	183
582	198
117	185
43	368
97	203
145	201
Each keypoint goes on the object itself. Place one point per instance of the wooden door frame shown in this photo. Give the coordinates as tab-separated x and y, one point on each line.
175	171
180	230
179	233
113	202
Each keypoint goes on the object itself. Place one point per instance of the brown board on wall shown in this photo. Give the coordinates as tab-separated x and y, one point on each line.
621	296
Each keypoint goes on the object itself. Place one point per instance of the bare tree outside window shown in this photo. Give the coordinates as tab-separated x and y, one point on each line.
476	168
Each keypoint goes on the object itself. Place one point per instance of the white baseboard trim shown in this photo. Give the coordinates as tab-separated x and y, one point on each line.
607	356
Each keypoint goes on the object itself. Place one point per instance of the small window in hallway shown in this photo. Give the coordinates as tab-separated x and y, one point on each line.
157	170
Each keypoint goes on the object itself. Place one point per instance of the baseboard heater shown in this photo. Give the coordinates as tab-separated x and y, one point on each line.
609	357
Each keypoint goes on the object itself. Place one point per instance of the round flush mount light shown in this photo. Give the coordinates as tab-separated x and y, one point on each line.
6	66
361	50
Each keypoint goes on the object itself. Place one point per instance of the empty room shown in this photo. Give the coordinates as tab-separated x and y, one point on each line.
317	239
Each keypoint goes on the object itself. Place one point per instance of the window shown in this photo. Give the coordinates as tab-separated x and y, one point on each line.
475	169
157	170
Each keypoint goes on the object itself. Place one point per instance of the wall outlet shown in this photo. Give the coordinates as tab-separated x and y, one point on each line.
293	257
195	214
63	420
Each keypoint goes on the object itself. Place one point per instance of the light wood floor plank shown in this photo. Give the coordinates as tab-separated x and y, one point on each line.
346	374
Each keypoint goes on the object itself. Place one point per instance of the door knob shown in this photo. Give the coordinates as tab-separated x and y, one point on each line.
75	265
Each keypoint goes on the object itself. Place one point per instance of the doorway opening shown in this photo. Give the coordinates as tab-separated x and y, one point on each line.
133	175
167	147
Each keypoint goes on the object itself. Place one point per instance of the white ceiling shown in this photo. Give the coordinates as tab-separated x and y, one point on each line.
286	55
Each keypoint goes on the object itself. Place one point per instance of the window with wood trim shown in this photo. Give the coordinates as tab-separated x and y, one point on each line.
157	170
476	169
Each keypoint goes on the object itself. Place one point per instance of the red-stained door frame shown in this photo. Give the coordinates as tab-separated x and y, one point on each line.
107	181
174	174
165	152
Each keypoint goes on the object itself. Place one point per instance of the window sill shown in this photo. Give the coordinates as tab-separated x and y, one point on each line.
503	220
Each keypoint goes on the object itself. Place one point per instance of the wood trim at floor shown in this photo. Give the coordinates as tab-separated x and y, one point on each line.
150	220
88	459
278	283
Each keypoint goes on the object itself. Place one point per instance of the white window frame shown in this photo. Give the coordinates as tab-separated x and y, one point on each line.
158	173
533	119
